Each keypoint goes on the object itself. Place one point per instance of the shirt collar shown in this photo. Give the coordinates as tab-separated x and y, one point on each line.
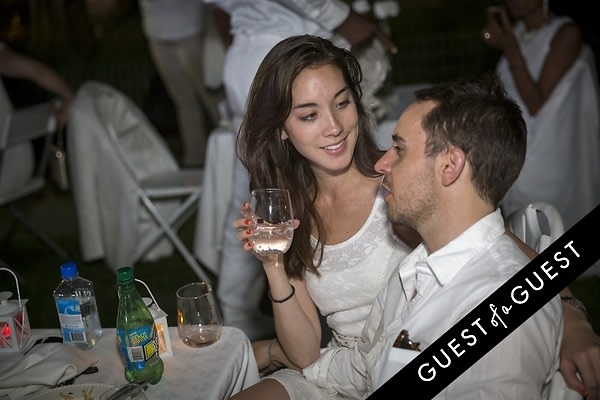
447	261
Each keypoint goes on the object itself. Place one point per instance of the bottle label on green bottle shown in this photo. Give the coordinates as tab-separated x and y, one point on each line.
138	346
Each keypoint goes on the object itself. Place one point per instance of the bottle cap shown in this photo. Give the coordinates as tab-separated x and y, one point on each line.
125	275
68	270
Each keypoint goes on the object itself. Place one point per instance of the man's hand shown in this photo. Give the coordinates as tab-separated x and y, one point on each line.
580	355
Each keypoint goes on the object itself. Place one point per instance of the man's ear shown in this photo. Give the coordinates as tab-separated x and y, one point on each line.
454	161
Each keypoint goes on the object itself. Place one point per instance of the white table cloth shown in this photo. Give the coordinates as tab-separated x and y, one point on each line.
210	373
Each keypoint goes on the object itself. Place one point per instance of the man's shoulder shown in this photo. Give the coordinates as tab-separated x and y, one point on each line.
497	262
505	257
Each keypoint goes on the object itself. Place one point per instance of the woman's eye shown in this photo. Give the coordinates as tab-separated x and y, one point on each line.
309	117
344	104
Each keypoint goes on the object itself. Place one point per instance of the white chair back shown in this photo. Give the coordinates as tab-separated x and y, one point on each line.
127	181
104	184
538	225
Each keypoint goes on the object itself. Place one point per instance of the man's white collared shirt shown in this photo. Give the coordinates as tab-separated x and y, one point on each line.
428	295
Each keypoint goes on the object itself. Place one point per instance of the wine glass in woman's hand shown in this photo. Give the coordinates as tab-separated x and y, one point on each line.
272	221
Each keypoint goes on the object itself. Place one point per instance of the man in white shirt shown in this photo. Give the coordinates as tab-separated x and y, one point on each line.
456	151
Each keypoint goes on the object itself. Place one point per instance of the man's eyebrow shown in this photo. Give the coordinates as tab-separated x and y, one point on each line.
302	105
396	138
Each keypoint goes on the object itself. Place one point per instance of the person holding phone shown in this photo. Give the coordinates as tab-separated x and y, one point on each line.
551	73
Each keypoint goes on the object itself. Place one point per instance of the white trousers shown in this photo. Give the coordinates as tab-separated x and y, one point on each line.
181	65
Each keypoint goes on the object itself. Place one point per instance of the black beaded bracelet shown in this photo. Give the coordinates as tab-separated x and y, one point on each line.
575	303
284	300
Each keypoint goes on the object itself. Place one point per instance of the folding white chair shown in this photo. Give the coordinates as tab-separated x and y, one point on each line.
538	224
142	196
18	129
185	184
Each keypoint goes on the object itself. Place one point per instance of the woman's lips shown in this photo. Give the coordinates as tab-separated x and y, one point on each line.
335	148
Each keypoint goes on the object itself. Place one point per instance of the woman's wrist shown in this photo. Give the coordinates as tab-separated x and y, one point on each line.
283	300
515	66
515	61
513	55
274	262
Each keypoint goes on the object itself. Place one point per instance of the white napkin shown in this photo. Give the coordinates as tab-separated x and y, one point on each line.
44	366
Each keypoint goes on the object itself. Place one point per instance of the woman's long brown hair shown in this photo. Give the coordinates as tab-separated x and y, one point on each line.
272	162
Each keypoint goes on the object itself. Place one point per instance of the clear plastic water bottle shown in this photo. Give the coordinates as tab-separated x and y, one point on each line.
77	310
136	333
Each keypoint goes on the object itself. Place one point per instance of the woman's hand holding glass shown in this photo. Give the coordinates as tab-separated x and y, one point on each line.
268	226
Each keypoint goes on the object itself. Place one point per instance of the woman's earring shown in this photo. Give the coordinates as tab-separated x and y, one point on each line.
283	136
545	9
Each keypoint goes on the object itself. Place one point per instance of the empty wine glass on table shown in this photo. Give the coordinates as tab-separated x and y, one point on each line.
199	321
271	221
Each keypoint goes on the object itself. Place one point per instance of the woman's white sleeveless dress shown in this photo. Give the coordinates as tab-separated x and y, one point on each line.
352	274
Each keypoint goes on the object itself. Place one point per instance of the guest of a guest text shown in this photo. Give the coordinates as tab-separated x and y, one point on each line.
519	295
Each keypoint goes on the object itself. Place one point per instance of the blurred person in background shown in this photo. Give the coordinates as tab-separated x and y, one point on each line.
17	65
175	30
551	73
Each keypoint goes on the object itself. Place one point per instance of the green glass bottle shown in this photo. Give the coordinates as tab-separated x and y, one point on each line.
136	333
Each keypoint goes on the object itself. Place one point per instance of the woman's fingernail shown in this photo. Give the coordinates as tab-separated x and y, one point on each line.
247	221
583	392
249	231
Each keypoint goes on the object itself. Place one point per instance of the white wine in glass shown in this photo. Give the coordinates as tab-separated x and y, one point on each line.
271	221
